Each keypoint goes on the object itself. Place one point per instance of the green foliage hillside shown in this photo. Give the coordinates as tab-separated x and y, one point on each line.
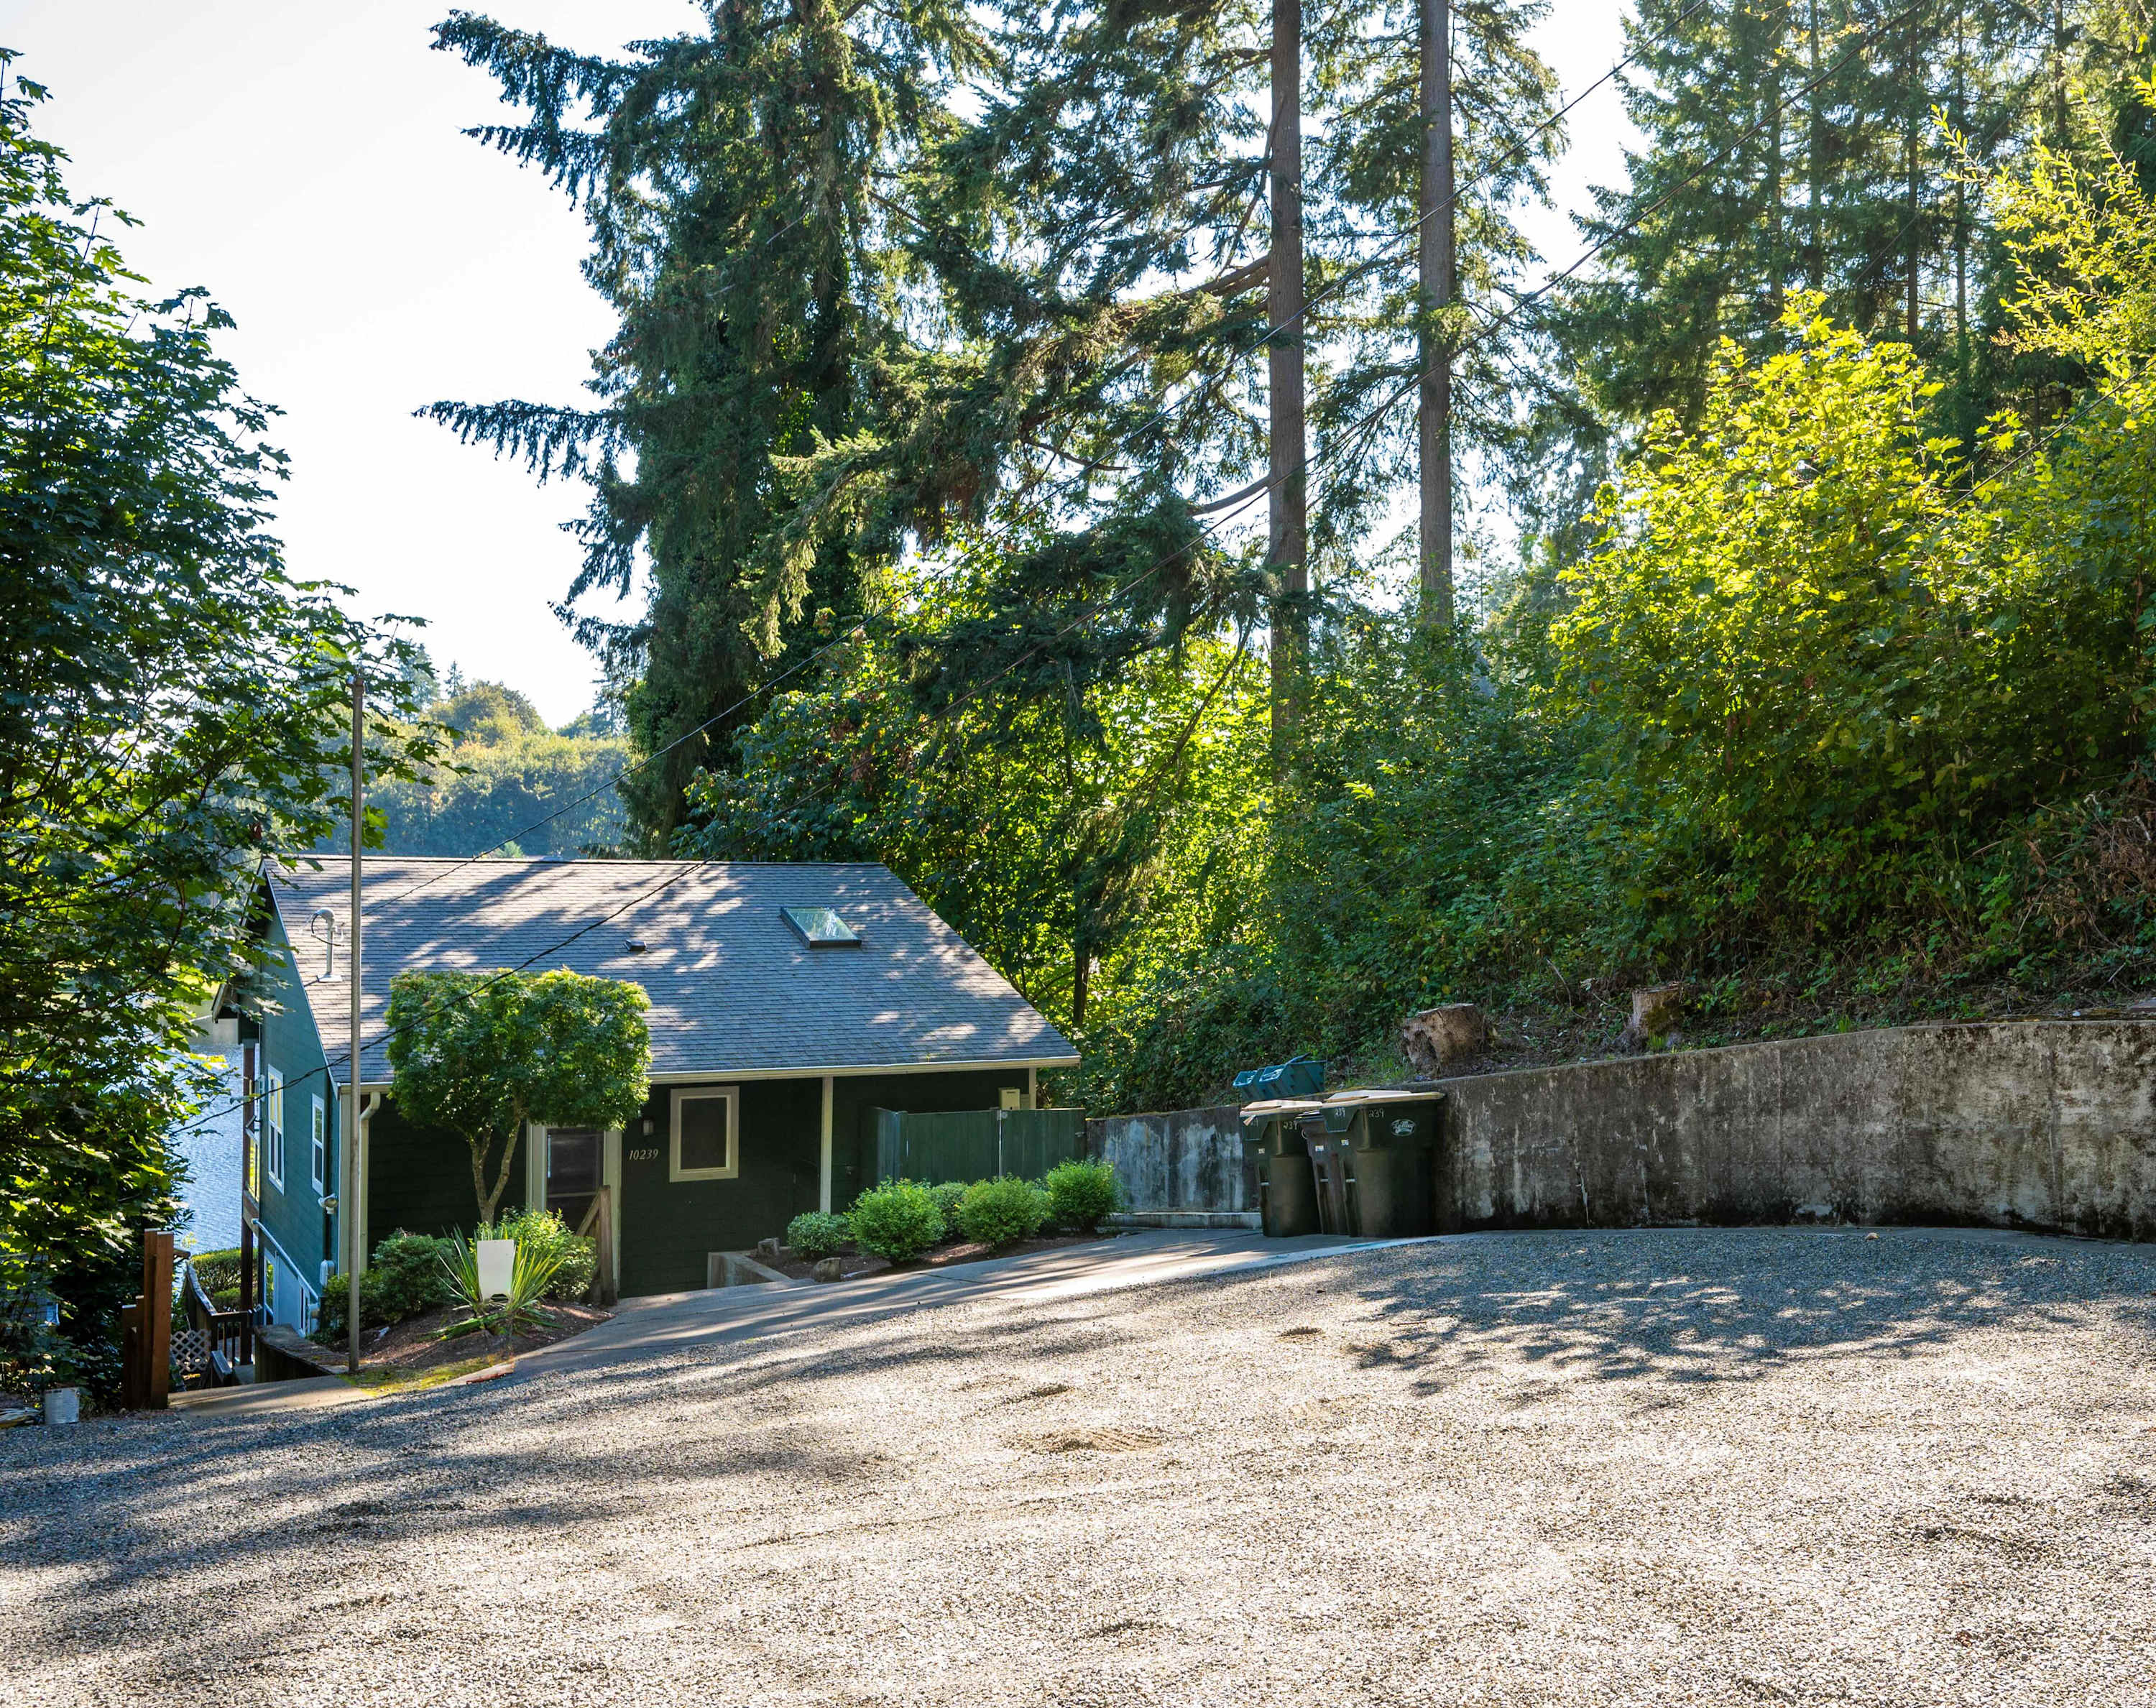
505	774
1839	721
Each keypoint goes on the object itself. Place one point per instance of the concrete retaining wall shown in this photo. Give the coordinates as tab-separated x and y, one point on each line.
2047	1124
1187	1160
2042	1124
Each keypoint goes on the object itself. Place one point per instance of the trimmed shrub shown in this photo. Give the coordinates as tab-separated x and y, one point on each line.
570	1260
404	1278
815	1234
1079	1194
897	1220
1001	1211
946	1195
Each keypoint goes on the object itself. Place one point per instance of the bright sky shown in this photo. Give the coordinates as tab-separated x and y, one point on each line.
303	160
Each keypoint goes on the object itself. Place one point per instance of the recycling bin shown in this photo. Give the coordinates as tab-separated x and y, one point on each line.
1287	1204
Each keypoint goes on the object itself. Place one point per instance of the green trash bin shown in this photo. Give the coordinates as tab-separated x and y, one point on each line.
1392	1140
1331	1167
1287	1205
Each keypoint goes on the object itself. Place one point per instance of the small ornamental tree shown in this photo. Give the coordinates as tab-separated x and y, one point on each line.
482	1052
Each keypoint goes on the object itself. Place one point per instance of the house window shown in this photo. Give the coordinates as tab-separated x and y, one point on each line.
269	1286
273	1127
821	928
705	1144
321	1143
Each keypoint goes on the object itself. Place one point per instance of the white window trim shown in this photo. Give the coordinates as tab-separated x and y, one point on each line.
318	1140
731	1096
273	1127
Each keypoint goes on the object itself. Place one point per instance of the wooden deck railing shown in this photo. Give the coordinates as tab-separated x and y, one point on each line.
225	1330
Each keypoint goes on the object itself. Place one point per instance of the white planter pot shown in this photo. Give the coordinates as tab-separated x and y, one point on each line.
497	1267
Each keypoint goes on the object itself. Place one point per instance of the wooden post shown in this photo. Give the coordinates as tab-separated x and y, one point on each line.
131	1358
605	1283
154	1334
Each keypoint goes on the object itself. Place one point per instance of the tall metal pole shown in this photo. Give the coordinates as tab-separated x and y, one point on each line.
1434	420
1287	548
348	1213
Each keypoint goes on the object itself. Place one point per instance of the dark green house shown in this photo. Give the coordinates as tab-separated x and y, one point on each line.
787	1001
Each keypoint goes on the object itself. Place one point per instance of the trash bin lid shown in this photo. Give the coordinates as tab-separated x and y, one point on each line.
1281	1106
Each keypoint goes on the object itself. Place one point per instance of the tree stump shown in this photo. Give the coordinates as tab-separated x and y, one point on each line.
1656	1014
1438	1037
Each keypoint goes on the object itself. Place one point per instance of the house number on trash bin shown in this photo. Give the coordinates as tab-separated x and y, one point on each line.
651	1156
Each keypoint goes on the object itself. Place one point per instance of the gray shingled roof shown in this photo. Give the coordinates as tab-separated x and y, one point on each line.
732	988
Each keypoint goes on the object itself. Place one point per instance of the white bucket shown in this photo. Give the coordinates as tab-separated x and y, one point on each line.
497	1268
62	1405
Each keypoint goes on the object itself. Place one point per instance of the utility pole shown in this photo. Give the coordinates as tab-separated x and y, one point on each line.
1287	541
1434	419
348	1187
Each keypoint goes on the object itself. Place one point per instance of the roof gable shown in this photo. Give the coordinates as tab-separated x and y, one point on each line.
733	987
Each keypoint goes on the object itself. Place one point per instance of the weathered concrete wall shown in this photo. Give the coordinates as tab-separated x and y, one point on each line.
2048	1125
2039	1123
1188	1159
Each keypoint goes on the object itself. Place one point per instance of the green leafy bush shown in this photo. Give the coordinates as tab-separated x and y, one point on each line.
404	1279
816	1233
1001	1211
217	1271
1079	1194
897	1220
946	1194
571	1260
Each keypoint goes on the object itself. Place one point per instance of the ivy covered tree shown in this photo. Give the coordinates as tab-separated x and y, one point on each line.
170	699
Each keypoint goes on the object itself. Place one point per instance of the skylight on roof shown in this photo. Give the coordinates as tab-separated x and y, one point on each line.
821	928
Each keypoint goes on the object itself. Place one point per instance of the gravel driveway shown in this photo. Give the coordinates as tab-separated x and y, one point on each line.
1726	1467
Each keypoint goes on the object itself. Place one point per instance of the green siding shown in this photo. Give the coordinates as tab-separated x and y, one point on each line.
293	1215
668	1227
419	1178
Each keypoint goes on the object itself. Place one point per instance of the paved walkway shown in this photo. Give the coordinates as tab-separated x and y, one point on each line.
675	1321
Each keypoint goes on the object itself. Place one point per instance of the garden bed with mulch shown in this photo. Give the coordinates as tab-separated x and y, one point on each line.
412	1351
856	1263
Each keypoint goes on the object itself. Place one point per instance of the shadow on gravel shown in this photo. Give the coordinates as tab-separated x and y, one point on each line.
438	1469
1725	1306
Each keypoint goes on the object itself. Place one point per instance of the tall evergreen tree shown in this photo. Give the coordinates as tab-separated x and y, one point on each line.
1376	213
1821	144
738	185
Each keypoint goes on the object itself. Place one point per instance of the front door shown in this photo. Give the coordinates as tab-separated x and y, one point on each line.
576	1164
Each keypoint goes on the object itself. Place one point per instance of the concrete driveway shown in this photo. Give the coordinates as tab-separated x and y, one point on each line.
679	1322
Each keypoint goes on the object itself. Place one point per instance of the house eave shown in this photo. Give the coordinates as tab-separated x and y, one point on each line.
854	1071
